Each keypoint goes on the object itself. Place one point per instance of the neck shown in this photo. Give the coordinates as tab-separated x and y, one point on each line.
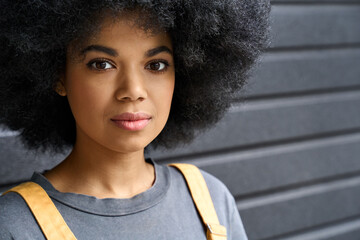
96	171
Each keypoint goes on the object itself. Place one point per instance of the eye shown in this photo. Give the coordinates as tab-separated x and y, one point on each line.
100	64
157	66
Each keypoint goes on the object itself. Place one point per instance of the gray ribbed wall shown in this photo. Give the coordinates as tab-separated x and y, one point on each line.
290	152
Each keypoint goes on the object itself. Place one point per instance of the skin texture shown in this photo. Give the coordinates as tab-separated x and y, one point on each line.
108	161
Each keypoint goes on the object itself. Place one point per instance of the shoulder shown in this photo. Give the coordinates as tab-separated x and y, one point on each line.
215	186
14	215
221	196
224	204
11	204
223	200
6	211
11	207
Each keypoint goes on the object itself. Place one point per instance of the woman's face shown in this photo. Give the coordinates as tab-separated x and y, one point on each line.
120	88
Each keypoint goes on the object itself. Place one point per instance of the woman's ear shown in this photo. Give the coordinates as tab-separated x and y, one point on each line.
60	88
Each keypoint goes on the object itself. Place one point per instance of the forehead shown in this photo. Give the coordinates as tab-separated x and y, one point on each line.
127	31
124	33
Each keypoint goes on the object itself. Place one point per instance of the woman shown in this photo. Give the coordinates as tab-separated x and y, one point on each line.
100	77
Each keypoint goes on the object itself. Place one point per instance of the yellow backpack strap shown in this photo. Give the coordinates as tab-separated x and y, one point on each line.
46	214
202	200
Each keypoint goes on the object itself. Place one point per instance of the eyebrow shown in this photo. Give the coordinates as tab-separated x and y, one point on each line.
112	52
98	48
157	50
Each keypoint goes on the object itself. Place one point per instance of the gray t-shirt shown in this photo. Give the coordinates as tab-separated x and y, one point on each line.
163	212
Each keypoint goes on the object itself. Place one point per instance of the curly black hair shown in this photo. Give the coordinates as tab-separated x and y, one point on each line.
216	42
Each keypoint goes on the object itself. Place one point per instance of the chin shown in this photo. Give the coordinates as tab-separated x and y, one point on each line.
130	145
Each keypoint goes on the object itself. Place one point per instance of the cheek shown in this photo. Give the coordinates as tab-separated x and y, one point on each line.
163	96
85	98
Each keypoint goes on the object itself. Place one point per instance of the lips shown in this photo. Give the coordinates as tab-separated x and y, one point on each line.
131	121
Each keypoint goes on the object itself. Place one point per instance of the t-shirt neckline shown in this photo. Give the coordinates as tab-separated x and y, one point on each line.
111	206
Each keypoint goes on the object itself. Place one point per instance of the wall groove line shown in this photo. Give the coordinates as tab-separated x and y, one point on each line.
297	190
300	192
296	100
323	231
199	158
313	2
316	47
296	94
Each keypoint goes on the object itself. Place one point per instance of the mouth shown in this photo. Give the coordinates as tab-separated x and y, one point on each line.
132	121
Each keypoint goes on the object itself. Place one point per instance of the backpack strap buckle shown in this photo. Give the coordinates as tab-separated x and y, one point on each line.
215	231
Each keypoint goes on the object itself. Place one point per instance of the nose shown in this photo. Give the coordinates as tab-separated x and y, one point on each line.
131	87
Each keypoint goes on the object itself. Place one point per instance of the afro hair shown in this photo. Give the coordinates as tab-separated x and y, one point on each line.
215	45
